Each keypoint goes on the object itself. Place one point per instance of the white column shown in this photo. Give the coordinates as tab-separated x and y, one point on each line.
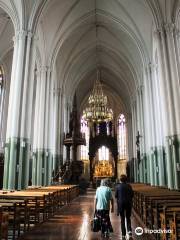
56	128
37	110
170	128
28	88
134	133
63	124
129	137
173	73
51	114
151	122
163	100
42	94
14	64
167	83
47	109
177	50
147	110
16	85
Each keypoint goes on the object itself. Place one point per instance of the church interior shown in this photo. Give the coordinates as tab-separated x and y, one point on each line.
89	89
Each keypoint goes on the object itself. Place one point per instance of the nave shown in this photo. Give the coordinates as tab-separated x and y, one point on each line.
89	89
73	223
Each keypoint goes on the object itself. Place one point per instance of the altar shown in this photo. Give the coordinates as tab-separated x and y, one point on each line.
103	169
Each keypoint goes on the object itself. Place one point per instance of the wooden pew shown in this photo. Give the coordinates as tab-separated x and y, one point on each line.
175	226
33	202
33	205
168	218
3	224
23	208
159	208
13	219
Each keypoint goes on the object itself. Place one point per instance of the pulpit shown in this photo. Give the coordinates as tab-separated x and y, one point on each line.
72	140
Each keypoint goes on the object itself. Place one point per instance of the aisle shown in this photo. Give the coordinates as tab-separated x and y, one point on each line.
72	223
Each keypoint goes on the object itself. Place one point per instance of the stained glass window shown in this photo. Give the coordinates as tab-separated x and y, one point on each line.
122	138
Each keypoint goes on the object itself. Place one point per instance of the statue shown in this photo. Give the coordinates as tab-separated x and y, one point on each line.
138	147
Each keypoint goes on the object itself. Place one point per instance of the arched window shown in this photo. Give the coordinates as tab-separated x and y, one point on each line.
122	142
85	149
103	153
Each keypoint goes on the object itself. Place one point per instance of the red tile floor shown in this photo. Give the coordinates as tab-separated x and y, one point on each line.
73	223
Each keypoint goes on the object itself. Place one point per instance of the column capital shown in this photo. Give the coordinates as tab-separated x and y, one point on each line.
159	32
169	28
177	32
133	99
37	72
57	91
43	69
15	38
141	88
151	66
22	34
30	35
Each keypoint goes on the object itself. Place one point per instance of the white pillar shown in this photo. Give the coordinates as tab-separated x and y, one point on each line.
16	85
37	108
17	148
56	128
42	94
173	73
47	109
168	81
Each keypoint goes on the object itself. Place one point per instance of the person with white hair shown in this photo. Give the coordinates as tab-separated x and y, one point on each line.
103	203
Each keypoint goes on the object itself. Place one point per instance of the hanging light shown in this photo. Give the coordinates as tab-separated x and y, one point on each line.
97	109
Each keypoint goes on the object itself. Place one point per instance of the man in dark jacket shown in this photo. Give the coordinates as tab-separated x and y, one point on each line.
124	195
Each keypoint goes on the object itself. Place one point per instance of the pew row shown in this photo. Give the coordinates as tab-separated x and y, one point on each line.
29	207
158	208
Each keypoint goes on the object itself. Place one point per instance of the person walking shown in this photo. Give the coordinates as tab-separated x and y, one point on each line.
124	195
102	205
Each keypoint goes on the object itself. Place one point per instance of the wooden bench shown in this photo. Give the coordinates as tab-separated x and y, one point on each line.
31	206
168	218
4	217
159	208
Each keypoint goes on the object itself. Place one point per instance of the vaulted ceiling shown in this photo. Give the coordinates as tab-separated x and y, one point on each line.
6	34
83	35
75	37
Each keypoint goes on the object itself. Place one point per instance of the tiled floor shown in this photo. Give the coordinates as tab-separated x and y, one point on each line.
73	223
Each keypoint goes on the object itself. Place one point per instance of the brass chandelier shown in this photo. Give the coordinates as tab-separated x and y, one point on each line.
97	109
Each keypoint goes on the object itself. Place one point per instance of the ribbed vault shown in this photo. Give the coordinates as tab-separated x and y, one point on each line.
120	49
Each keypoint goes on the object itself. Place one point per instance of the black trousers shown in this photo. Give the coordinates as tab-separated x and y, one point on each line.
125	214
104	219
